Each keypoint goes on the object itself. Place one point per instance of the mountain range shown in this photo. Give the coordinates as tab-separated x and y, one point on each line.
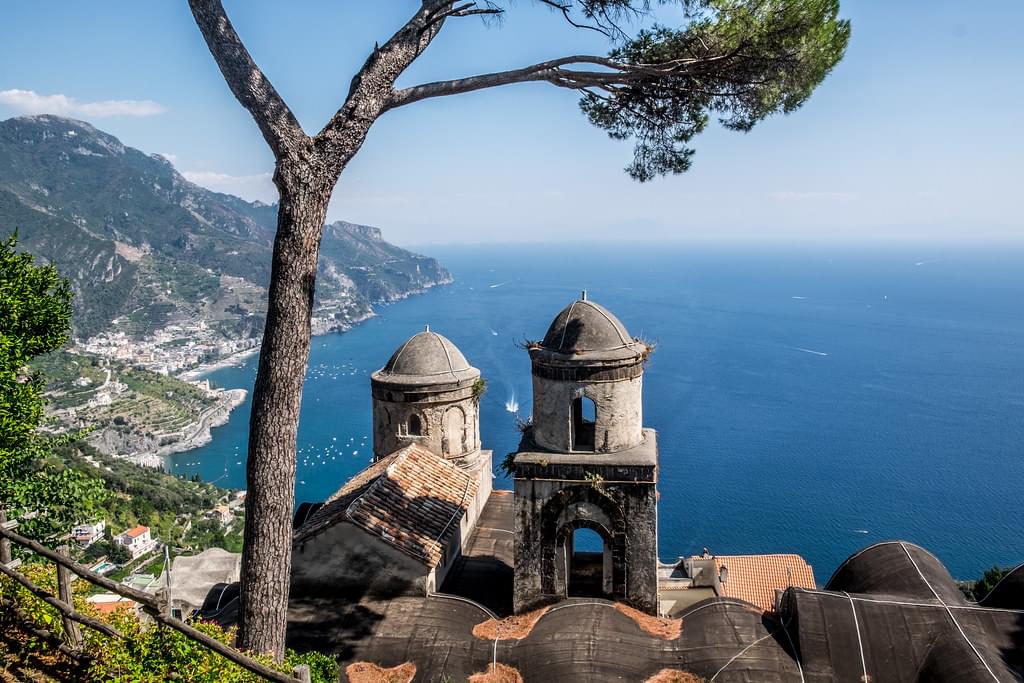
144	247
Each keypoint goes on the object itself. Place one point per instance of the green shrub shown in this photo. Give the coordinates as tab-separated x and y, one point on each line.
149	652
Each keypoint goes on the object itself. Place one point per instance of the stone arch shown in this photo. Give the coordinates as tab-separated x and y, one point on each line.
469	433
574	507
453	431
565	557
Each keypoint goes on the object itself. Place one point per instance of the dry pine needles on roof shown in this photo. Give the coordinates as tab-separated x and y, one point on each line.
515	627
674	676
365	672
659	627
500	673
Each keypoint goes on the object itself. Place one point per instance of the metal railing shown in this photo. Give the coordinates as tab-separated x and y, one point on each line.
156	606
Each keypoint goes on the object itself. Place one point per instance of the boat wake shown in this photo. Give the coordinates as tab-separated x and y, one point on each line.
816	353
512	405
500	284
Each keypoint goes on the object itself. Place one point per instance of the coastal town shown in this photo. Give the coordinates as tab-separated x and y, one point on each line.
188	348
715	376
174	349
98	383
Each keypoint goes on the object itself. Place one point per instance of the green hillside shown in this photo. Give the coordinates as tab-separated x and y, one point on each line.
147	248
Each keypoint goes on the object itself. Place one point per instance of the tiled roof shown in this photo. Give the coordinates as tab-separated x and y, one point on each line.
755	578
110	606
137	531
413	499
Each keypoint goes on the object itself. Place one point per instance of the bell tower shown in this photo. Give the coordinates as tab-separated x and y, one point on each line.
587	467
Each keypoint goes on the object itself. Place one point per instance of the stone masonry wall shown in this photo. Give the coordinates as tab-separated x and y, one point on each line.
619	408
624	514
449	421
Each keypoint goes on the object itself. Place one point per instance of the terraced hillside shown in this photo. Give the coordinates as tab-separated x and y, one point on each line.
133	412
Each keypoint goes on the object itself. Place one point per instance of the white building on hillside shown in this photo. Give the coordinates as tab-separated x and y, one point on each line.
87	534
137	540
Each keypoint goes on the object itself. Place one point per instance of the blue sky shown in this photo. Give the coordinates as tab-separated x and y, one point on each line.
916	134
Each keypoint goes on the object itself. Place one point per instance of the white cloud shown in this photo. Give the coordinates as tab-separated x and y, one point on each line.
259	186
814	196
173	158
31	102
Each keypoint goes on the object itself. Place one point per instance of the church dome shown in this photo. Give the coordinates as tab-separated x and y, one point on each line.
427	358
586	328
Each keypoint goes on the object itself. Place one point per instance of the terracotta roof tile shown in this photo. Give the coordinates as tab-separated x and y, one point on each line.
111	606
413	499
137	531
755	578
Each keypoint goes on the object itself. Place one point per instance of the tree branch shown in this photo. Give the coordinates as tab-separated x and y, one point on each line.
466	10
554	72
372	86
565	9
250	86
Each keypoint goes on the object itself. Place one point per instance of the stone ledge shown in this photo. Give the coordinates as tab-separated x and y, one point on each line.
643	455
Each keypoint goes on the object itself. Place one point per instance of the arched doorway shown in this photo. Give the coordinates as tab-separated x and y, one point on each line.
584	420
569	520
588	570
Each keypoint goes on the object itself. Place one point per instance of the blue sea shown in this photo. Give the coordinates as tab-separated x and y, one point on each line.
809	399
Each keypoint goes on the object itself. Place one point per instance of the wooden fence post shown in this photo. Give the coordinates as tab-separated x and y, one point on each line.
301	673
165	592
74	633
5	545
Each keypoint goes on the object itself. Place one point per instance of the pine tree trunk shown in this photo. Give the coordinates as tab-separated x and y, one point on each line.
277	396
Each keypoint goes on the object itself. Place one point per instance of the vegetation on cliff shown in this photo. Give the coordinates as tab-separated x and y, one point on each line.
35	313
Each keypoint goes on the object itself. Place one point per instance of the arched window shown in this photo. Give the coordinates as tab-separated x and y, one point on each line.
584	416
415	425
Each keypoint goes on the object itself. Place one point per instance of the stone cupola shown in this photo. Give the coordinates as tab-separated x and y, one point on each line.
427	394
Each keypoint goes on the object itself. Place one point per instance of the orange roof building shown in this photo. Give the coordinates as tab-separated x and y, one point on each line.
109	603
136	532
756	579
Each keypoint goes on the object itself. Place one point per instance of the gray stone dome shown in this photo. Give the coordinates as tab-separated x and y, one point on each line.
427	358
586	328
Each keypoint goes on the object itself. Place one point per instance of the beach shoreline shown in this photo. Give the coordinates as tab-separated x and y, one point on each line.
239	357
234	359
